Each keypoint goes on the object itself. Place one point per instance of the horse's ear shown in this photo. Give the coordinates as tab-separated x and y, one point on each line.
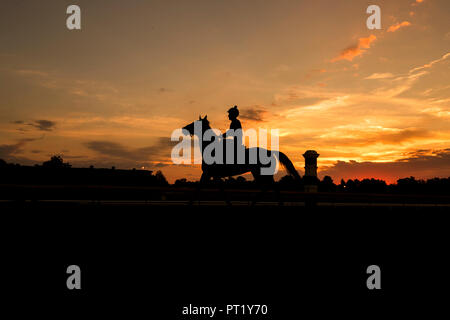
199	117
205	117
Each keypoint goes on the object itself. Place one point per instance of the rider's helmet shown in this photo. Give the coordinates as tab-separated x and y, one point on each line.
234	112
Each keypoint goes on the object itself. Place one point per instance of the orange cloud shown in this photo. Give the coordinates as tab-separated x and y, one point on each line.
430	64
356	50
313	72
398	25
380	75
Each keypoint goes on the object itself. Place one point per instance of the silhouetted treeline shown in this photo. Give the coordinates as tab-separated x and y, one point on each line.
409	185
403	186
56	171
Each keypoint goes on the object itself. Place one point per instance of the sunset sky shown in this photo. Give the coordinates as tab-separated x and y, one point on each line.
372	103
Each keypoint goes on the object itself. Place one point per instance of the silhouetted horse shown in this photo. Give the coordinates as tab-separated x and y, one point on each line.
227	170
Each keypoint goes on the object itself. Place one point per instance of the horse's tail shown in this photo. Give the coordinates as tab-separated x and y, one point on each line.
287	164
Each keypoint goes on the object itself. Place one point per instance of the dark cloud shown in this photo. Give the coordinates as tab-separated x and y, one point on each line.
160	165
109	148
420	164
67	156
253	113
43	125
163	90
7	151
158	151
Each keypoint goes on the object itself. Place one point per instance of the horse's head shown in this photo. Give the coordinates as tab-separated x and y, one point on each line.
201	121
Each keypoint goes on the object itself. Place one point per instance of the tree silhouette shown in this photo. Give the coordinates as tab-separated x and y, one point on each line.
327	184
56	162
160	178
181	182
